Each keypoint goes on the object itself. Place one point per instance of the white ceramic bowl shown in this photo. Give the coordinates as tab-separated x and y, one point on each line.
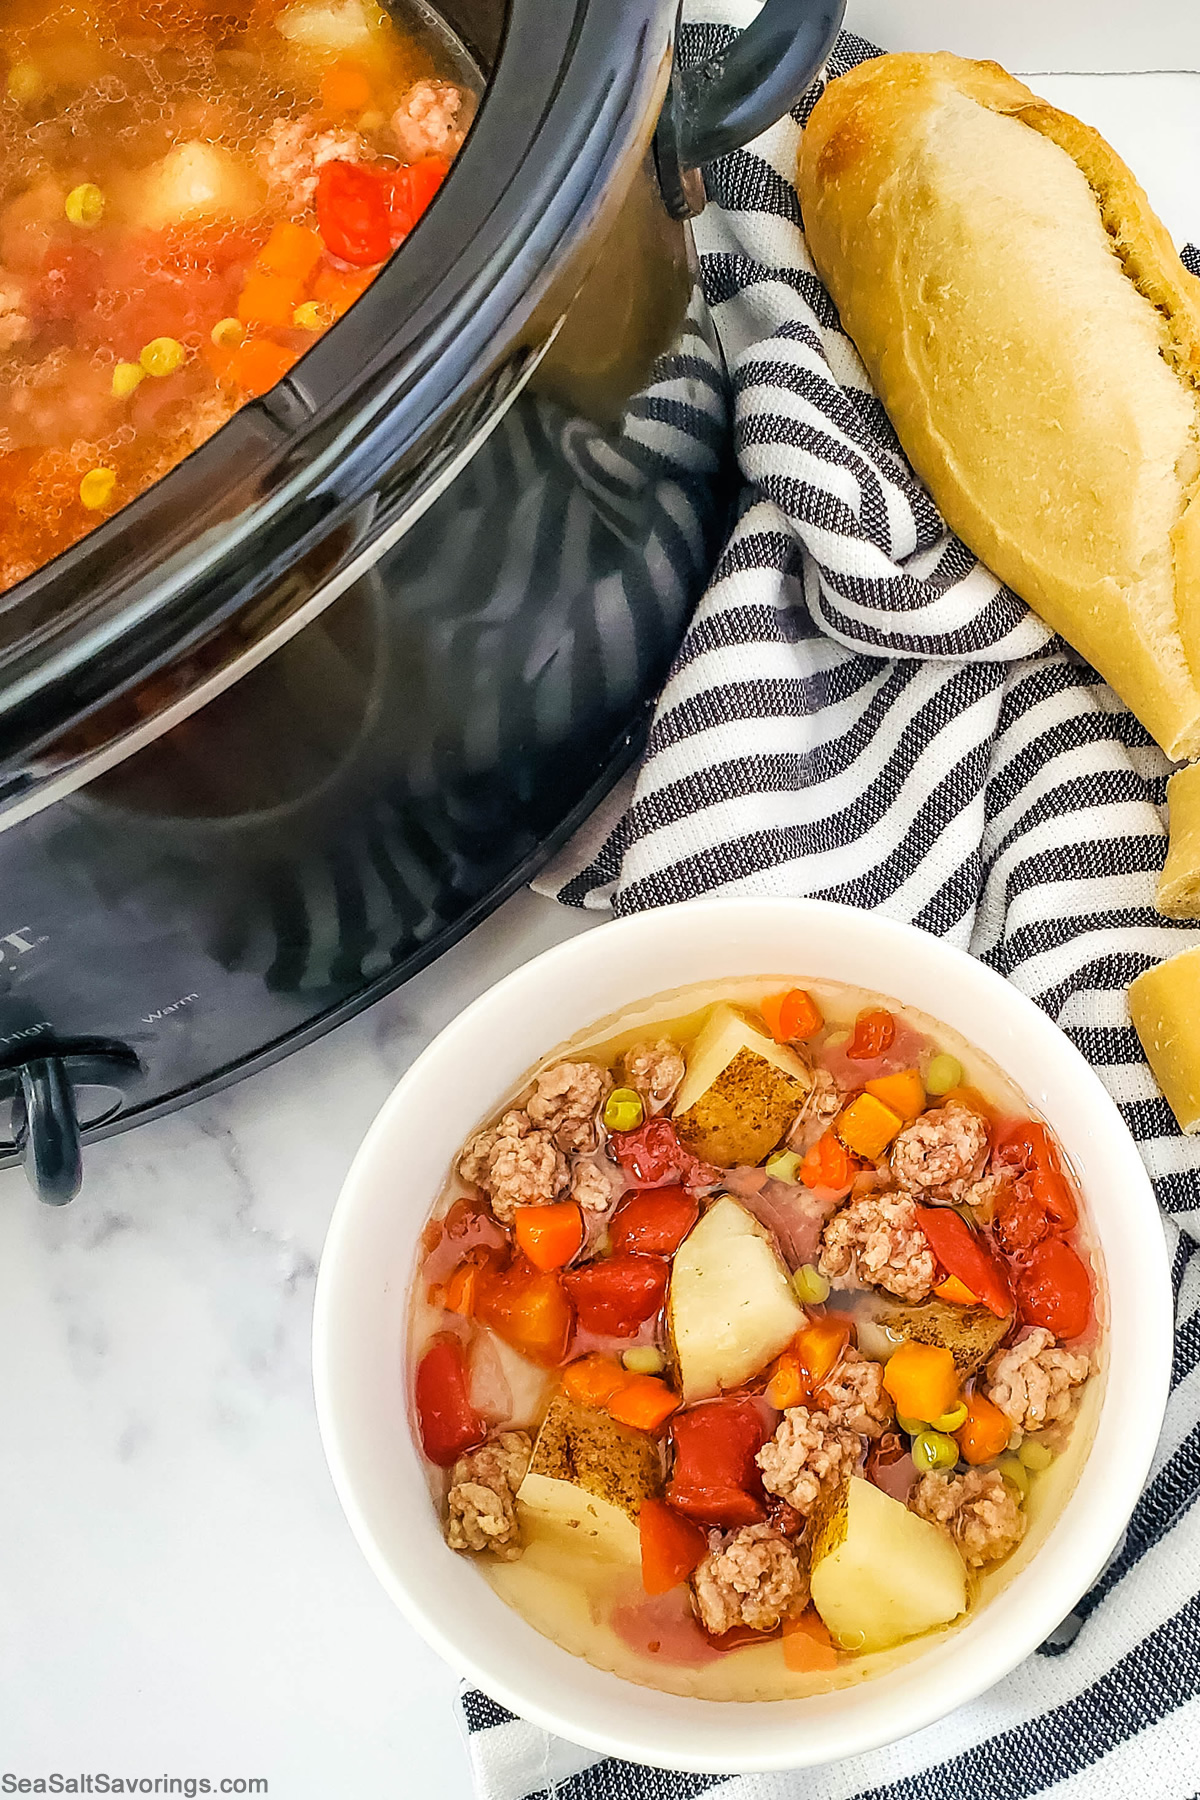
369	1260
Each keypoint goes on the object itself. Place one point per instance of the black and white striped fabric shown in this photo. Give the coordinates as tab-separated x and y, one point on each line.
860	711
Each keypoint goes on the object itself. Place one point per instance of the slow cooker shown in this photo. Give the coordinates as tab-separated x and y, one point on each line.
296	718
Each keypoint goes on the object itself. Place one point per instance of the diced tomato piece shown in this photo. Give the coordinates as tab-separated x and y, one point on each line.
654	1223
961	1252
652	1156
1027	1144
353	213
1051	1191
671	1546
715	1478
1020	1223
412	189
829	1165
1055	1290
615	1296
448	1423
528	1308
874	1032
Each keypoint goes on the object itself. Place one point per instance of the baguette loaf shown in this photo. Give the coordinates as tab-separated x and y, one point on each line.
1035	340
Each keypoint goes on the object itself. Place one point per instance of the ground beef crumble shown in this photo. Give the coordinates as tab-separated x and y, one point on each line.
750	1577
515	1164
481	1514
978	1512
566	1100
1033	1382
431	120
656	1071
808	1452
940	1154
877	1241
822	1104
854	1395
293	153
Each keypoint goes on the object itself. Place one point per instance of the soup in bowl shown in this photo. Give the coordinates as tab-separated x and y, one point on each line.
757	1338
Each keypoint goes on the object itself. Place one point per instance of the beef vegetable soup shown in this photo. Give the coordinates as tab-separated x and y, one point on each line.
752	1349
190	195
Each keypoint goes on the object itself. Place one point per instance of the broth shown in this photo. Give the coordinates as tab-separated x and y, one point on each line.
190	195
574	1580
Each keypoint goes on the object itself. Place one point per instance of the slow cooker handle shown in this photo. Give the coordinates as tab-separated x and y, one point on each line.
720	104
48	1132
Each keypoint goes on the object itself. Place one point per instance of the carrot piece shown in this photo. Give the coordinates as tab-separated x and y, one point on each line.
985	1431
257	365
269	300
345	89
672	1546
828	1164
922	1380
904	1092
867	1126
957	1292
593	1380
787	1386
807	1645
549	1235
340	288
644	1401
459	1293
819	1347
291	250
791	1017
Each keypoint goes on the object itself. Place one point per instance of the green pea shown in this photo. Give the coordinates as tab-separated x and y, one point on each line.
912	1427
1014	1470
644	1359
810	1285
934	1450
1035	1456
952	1420
623	1110
944	1072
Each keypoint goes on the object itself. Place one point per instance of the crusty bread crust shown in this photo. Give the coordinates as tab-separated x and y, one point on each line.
1036	342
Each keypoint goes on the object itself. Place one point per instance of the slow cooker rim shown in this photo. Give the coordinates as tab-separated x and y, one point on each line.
74	659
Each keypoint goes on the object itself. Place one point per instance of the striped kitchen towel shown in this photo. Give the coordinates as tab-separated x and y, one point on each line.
860	711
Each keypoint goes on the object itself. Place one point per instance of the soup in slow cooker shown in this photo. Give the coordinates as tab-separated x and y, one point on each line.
190	195
754	1349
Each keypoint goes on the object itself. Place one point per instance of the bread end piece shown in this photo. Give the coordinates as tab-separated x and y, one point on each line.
1178	894
1164	1005
974	240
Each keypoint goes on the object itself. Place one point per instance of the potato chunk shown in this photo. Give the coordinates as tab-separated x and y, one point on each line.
587	1479
194	182
731	1306
741	1091
331	28
879	1573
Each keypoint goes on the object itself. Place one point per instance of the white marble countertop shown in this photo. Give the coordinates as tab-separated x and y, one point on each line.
179	1594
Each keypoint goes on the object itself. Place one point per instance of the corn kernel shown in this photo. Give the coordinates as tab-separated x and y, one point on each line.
226	333
126	377
25	84
85	205
96	488
162	356
644	1359
312	315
